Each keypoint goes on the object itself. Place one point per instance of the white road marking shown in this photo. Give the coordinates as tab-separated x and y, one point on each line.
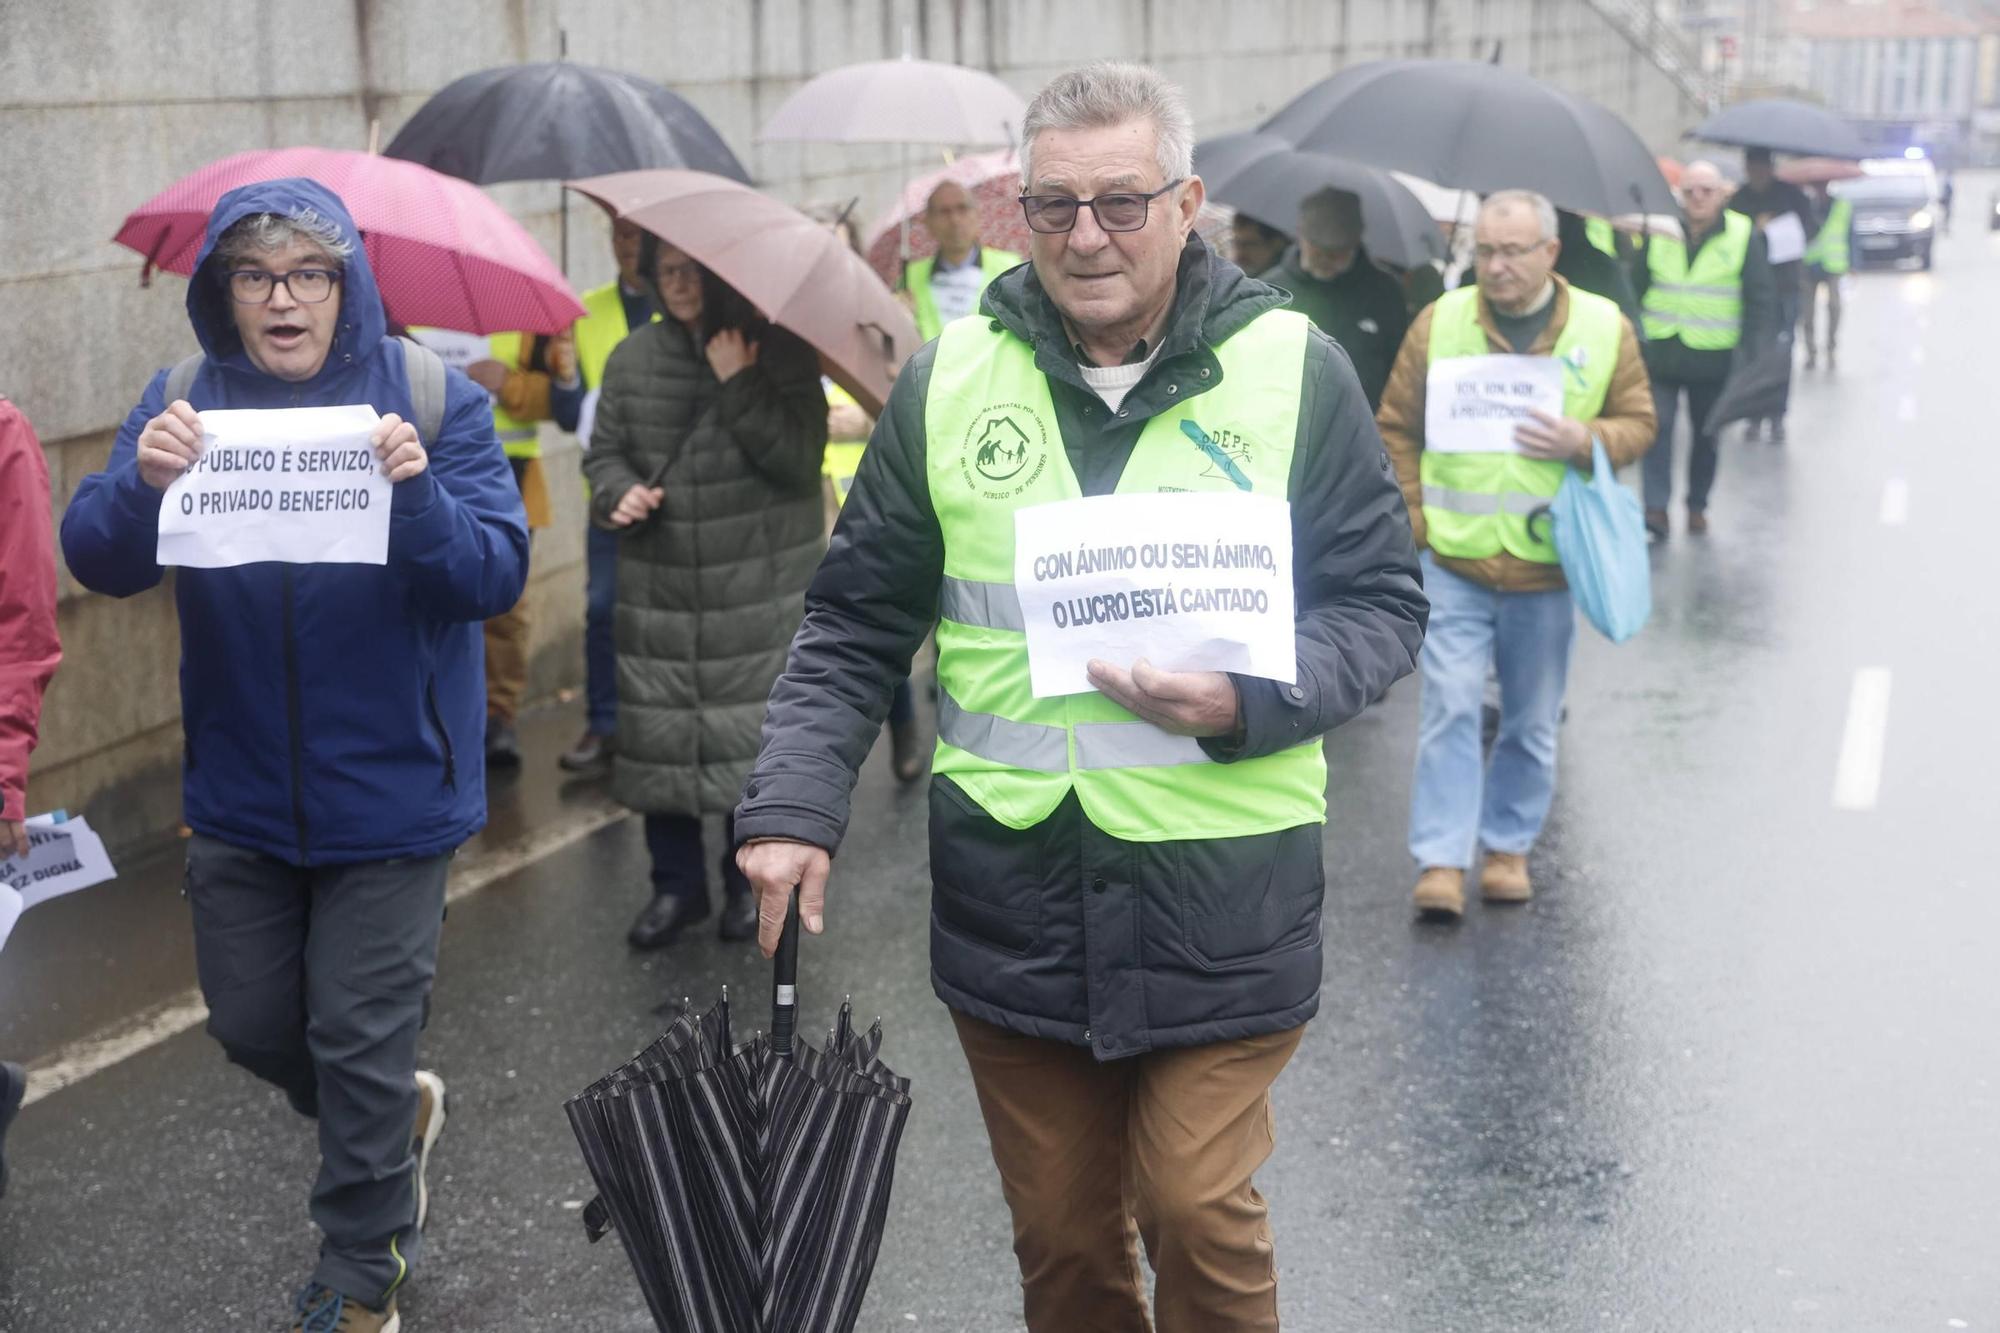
171	1017
1857	778
1895	502
1906	407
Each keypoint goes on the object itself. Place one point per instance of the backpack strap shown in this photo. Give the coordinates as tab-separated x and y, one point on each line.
181	378
425	371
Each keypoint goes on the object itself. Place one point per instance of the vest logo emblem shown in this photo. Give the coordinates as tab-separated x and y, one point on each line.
1005	450
1225	449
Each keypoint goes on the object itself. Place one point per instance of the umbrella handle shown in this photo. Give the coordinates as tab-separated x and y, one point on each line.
784	981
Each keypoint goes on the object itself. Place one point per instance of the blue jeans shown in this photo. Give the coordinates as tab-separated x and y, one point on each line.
600	651
1460	799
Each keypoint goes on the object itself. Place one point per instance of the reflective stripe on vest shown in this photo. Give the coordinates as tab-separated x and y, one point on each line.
993	446
1701	305
1828	250
992	263
1479	505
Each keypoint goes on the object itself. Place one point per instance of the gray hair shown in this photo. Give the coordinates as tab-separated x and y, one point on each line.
1111	92
261	233
1538	204
1331	219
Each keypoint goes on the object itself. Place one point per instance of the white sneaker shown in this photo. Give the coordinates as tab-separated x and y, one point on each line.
424	1135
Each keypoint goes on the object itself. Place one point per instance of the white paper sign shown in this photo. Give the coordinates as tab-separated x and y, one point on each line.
62	858
586	419
1188	581
296	484
1473	403
1784	239
455	349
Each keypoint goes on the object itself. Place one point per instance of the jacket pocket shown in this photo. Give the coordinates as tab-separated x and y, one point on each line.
1244	899
443	737
986	878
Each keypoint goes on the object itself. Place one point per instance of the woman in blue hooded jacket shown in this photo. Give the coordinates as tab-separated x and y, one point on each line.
333	715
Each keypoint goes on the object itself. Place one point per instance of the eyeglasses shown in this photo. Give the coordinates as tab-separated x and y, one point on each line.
1055	213
309	286
1511	253
686	271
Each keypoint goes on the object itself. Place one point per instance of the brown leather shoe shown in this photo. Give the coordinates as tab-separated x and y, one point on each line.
1697	523
1504	878
1656	524
1440	892
906	751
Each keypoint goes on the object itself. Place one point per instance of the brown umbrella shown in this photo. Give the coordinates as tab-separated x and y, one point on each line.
1817	170
792	268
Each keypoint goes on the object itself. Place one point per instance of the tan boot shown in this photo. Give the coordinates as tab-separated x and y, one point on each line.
1504	878
1440	891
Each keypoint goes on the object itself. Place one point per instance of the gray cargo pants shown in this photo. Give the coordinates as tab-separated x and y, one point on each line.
317	980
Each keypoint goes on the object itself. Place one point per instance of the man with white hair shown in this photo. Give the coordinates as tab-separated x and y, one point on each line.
1702	299
1498	598
1335	285
1126	882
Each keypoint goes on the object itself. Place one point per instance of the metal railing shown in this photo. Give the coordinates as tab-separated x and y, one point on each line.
1666	46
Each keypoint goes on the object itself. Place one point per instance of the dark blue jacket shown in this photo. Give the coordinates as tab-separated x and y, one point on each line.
332	713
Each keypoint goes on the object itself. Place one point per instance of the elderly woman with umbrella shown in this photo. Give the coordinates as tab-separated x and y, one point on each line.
705	458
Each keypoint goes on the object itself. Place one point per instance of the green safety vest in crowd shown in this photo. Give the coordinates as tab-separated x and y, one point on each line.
992	263
521	439
843	457
1602	235
1702	304
1828	251
993	447
601	329
1478	505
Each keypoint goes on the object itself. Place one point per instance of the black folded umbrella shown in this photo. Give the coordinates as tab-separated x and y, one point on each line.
748	1183
1758	387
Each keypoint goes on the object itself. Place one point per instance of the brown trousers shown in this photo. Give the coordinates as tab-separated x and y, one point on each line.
1096	1158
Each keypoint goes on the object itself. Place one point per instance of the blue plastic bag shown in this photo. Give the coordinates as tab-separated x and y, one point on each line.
1600	538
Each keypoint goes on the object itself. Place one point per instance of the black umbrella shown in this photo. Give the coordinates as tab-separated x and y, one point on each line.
1266	177
748	1183
556	120
1474	126
1783	126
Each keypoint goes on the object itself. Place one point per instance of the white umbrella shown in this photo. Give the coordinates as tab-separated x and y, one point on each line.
901	102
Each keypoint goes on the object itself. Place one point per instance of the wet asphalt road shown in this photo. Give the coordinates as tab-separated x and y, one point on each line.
1733	1070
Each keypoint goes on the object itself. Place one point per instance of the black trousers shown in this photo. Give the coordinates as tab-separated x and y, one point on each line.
317	979
675	842
1658	465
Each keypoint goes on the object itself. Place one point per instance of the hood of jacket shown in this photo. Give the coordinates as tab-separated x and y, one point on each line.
1213	299
363	322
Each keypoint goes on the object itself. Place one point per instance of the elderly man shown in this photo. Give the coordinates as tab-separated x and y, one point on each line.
1334	284
947	285
1498	598
1126	883
1701	299
333	713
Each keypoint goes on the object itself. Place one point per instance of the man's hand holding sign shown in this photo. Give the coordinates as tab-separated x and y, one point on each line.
304	485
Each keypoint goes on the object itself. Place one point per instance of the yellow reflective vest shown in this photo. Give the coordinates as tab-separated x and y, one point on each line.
1478	505
1701	304
992	446
992	263
1829	249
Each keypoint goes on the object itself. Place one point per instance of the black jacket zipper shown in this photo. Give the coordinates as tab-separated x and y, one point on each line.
444	737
